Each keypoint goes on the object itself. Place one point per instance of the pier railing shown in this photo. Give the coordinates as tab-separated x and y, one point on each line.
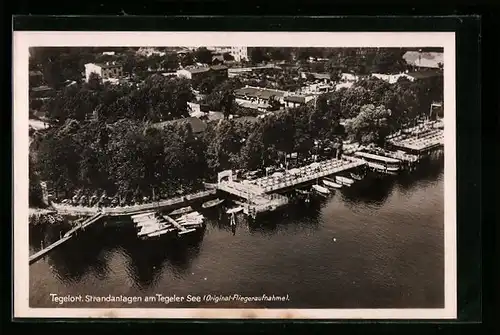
125	210
323	172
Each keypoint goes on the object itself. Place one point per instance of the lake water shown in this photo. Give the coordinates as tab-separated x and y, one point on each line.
379	244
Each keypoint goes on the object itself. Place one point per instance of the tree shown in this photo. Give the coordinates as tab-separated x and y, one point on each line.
370	125
274	103
227	56
187	60
35	190
170	62
227	103
257	55
203	55
94	82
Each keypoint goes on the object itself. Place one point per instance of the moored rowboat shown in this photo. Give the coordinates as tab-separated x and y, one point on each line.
331	184
212	203
182	210
321	190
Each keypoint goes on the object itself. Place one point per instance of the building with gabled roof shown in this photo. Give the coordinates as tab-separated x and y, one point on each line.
433	60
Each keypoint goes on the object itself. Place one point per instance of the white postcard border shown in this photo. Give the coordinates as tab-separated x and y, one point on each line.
22	40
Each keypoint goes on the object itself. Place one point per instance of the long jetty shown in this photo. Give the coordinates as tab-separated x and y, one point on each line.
96	214
260	194
33	258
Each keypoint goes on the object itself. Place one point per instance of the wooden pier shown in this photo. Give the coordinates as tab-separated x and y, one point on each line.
419	143
260	194
33	258
307	174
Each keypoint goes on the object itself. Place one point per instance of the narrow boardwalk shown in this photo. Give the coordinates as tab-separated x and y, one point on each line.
33	258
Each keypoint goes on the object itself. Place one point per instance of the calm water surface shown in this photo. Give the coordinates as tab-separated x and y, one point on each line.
377	245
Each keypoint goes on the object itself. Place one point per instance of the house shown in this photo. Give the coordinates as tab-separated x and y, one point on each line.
349	77
296	100
239	53
104	70
258	95
432	60
317	88
197	125
148	52
324	77
41	92
200	72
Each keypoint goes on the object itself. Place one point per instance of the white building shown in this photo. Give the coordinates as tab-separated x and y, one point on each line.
105	71
239	53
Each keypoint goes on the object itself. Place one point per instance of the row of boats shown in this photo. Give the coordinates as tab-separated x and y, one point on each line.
179	222
329	184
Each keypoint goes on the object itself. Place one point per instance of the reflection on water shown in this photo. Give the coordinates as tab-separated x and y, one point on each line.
378	244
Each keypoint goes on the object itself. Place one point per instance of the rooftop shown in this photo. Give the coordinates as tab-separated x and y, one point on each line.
41	89
197	125
257	92
296	98
424	59
218	67
321	76
425	74
107	65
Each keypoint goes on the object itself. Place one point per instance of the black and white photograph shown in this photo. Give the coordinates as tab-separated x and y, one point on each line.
234	175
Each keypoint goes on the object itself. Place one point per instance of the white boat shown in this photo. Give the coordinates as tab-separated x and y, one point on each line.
321	190
380	163
194	220
162	232
149	223
344	180
331	184
149	229
182	210
212	203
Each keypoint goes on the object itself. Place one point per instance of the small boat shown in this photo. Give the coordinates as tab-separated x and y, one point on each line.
331	184
149	230
356	176
321	190
162	232
234	210
212	203
344	180
182	210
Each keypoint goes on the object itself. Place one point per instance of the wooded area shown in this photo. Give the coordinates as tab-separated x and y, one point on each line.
121	153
